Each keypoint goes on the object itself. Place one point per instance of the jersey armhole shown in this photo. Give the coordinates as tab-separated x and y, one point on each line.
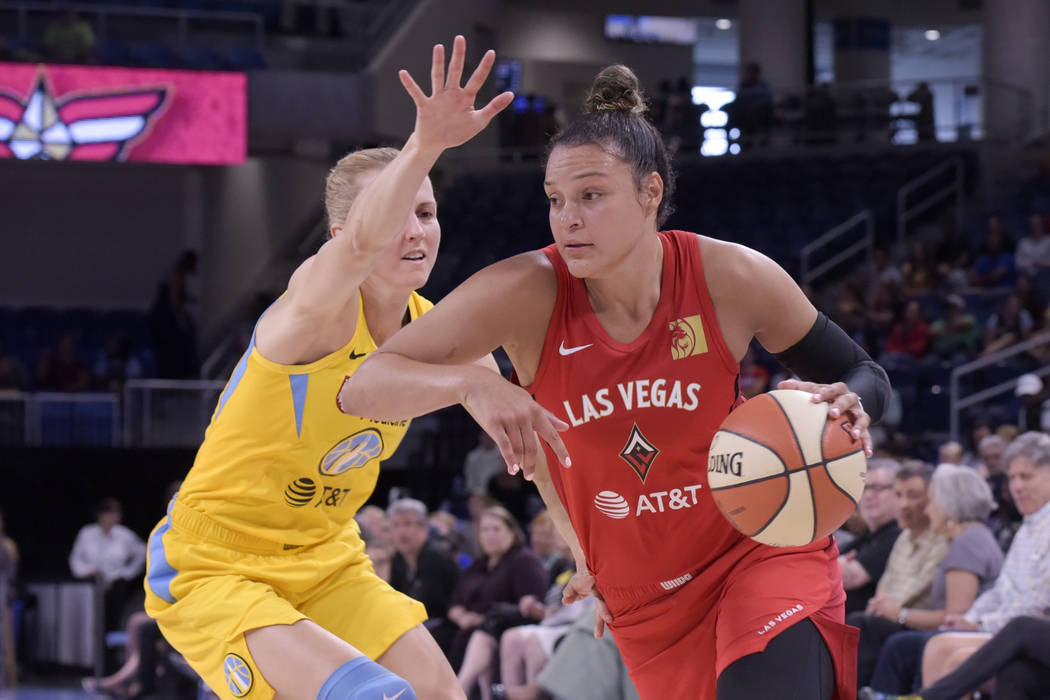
708	303
560	274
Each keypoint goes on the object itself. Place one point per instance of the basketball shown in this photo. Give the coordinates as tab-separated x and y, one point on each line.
782	472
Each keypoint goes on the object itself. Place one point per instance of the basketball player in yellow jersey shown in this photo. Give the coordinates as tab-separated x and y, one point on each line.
257	574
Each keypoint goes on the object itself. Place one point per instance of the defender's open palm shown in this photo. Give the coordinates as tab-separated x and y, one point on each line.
447	117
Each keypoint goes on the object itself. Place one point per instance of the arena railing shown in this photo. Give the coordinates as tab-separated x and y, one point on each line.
53	419
955	187
957	403
168	412
866	243
104	12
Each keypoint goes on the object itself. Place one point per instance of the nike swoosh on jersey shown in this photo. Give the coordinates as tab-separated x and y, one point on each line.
354	355
564	351
394	697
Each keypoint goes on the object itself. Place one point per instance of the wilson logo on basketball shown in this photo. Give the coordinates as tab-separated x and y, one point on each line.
728	463
687	337
353	452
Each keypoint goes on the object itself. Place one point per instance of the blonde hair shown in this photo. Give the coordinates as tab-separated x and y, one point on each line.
343	183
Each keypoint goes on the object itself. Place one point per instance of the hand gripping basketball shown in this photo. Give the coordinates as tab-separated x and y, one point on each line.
785	471
842	401
447	118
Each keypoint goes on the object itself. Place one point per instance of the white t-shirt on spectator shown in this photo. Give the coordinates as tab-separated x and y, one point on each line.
1032	254
119	554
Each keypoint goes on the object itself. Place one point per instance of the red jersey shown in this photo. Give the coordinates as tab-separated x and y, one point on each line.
678	578
642	414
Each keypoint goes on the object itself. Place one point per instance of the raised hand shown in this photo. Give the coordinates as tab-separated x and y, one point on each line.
447	118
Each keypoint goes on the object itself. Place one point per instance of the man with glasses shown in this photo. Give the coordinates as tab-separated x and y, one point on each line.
864	559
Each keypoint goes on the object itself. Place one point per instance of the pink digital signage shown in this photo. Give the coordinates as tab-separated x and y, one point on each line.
53	112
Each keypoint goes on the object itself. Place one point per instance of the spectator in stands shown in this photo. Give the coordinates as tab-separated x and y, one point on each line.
950	453
481	464
910	334
991	467
13	374
752	110
849	311
922	96
381	554
112	553
116	364
754	377
455	536
1022	586
907	581
879	315
881	271
548	544
605	677
506	571
1031	299
62	369
1008	326
864	560
1017	657
69	39
952	254
994	266
172	323
8	574
1033	251
1035	405
959	501
956	334
374	524
918	275
420	569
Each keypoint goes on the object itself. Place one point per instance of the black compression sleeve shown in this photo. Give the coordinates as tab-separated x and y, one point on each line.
827	355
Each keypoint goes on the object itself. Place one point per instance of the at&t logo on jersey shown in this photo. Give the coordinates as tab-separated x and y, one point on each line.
300	492
353	452
239	676
615	506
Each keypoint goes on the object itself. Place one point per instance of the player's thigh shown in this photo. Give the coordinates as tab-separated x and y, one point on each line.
417	658
796	664
297	659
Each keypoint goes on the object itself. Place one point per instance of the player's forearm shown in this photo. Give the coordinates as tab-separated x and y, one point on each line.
378	213
560	516
391	387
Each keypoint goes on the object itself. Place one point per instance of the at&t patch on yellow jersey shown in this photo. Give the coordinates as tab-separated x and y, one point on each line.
279	460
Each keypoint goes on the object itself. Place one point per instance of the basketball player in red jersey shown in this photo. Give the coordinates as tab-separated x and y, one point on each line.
627	340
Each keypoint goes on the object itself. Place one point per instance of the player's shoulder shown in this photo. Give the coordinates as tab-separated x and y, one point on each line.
526	272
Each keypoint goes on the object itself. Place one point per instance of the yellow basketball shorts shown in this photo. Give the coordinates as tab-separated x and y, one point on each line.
207	585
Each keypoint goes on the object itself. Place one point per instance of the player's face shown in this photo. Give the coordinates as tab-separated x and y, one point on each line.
911	502
407	261
1029	485
597	214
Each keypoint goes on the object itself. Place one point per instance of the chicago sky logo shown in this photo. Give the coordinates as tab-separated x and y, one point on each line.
239	676
353	452
95	126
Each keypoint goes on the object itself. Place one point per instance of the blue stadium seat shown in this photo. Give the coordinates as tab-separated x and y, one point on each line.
154	54
111	52
244	58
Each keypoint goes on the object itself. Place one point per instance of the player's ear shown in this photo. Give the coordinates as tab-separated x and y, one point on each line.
652	191
334	230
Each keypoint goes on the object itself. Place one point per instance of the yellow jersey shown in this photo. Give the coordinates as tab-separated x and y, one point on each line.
279	460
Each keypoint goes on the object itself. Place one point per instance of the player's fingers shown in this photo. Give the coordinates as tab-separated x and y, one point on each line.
530	453
506	450
411	87
559	425
798	385
495	106
477	78
517	447
843	403
545	429
599	625
455	64
437	69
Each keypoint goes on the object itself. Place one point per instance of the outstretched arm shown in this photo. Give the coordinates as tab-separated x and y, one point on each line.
326	284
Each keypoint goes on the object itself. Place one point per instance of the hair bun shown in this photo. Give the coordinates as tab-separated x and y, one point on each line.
616	89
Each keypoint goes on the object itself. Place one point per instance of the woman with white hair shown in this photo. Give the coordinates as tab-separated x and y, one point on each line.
959	502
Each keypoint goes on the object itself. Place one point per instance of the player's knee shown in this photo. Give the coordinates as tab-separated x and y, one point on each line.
364	679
